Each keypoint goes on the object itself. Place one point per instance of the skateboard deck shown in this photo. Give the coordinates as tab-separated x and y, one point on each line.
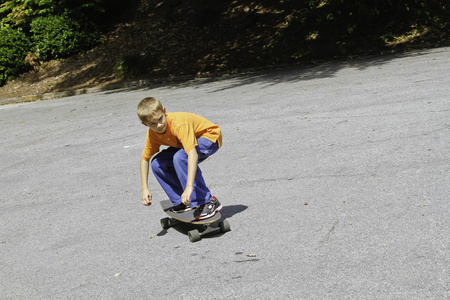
188	217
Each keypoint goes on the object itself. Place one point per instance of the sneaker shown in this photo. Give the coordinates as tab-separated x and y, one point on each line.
181	208
208	210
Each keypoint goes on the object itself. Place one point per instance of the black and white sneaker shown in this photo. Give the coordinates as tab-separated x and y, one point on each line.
208	210
181	208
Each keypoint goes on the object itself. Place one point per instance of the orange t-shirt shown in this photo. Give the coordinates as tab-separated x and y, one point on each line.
183	130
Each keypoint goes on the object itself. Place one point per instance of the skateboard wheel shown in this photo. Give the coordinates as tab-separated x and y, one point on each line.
224	226
194	236
166	223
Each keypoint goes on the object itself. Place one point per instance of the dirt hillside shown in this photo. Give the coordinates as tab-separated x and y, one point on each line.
177	40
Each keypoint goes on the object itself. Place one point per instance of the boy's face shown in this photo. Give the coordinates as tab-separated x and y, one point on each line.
158	122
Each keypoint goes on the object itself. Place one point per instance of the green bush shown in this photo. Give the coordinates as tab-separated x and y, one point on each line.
14	46
60	36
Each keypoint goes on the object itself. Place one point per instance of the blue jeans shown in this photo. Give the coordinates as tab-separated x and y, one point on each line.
170	167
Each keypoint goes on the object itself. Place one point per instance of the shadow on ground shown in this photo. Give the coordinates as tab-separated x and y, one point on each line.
283	74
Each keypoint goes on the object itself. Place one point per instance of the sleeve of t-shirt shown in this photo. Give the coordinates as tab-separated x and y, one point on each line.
150	148
186	135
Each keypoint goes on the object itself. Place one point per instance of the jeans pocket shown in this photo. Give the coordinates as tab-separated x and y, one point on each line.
206	148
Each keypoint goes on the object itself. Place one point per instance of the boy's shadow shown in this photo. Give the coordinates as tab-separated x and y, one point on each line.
227	212
231	210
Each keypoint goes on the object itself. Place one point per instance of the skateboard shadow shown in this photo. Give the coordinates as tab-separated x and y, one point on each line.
184	228
226	212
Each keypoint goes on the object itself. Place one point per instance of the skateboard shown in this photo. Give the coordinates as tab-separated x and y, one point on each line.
188	217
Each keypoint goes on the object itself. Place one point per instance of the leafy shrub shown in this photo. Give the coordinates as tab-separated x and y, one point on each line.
60	36
14	46
20	13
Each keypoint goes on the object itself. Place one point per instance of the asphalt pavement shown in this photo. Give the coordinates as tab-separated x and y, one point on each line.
335	179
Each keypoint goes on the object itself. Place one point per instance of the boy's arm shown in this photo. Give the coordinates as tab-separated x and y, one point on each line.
146	195
192	171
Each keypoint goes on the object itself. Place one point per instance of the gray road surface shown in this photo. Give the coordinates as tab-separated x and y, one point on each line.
334	178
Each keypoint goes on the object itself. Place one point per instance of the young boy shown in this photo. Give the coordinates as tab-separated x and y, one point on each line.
191	140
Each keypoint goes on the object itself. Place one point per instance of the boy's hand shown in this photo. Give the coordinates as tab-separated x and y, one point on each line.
186	196
146	197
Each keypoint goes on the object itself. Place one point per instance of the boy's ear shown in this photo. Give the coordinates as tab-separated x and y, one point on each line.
164	110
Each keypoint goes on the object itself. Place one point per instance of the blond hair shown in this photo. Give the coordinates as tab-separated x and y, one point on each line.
148	107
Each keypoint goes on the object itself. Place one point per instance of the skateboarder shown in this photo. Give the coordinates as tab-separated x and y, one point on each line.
191	140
